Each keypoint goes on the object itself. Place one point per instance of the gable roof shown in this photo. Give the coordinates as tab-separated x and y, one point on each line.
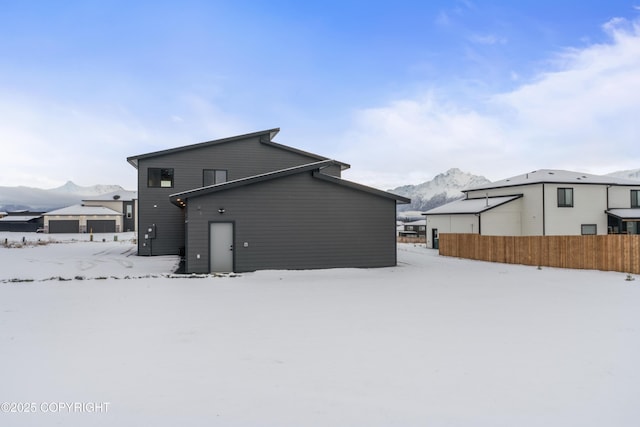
266	137
554	176
471	206
83	210
315	167
417	222
121	196
19	218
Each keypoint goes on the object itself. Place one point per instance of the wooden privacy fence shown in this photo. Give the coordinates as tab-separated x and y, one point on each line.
407	239
613	252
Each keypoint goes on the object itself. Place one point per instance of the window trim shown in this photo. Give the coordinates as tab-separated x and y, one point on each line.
159	184
635	201
563	191
215	172
595	229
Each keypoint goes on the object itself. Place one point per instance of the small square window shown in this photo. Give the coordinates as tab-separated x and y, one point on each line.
588	229
565	197
160	177
635	198
213	176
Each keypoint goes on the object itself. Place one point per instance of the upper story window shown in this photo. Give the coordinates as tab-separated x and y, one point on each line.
565	197
635	198
213	176
160	177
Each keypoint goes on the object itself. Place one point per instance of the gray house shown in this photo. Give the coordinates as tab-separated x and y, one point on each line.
246	203
21	221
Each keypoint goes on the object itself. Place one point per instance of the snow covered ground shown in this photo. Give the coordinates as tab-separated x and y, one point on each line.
434	341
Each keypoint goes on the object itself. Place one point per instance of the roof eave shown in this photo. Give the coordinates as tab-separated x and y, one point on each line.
399	199
477	211
133	160
179	198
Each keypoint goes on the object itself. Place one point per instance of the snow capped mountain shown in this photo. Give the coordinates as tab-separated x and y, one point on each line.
94	190
37	199
446	187
443	188
628	174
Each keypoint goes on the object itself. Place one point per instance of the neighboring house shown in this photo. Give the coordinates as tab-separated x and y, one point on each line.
21	221
414	228
541	203
83	219
246	203
124	202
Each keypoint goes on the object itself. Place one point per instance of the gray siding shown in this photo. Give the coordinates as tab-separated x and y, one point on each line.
296	222
333	171
240	158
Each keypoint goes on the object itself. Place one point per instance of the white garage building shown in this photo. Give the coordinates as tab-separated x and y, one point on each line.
83	219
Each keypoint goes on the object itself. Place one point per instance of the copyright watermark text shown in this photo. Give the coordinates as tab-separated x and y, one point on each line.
55	407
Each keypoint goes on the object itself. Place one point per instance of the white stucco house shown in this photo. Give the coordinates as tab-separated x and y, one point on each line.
541	203
122	201
83	219
107	213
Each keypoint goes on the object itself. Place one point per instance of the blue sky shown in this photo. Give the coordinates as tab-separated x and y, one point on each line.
400	90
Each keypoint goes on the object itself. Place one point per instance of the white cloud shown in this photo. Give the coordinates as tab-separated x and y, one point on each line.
487	39
46	143
442	19
209	121
416	135
582	115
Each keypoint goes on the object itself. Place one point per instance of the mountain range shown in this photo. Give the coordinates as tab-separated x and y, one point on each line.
628	174
40	200
443	188
447	187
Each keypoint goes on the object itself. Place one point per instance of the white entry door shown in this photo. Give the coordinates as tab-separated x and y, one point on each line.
221	247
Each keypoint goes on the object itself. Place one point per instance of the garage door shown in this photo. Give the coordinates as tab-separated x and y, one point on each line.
101	226
64	226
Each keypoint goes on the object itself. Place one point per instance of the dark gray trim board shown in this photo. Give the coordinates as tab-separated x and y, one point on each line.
179	198
400	199
265	137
